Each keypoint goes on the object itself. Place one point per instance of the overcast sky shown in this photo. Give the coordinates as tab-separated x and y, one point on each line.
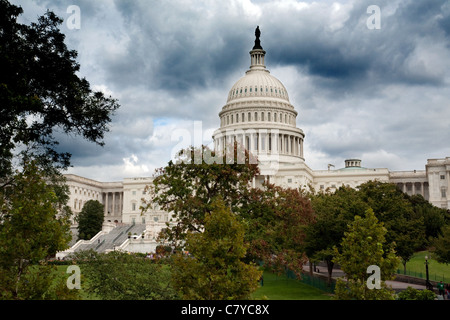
380	95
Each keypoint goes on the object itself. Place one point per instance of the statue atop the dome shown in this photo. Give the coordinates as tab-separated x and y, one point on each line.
257	41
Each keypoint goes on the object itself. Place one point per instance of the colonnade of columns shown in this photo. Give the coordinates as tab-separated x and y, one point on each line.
113	203
413	188
263	142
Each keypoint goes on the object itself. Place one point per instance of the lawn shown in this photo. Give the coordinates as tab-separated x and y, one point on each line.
416	267
274	288
284	288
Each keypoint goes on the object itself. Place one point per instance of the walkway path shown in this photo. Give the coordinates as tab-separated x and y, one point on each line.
337	273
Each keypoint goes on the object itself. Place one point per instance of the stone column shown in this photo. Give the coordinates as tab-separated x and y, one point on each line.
120	202
106	203
301	144
113	209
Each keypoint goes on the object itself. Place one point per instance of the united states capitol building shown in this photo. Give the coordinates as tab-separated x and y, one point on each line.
259	117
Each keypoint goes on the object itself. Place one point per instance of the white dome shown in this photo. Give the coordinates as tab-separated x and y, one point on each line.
258	83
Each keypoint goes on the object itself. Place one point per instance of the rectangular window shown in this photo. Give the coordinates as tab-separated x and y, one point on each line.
443	193
442	177
133	206
289	180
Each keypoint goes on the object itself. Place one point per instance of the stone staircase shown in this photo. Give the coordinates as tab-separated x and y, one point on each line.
107	241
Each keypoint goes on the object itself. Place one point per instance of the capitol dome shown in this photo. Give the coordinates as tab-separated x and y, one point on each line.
259	116
258	83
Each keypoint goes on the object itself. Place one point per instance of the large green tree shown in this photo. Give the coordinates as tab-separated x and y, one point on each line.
276	219
442	246
187	187
32	229
363	246
41	93
434	218
214	269
391	206
90	219
333	212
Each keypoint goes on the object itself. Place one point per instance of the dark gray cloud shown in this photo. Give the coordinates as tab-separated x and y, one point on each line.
381	94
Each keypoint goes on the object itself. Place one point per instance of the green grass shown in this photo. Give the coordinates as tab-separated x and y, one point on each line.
416	267
283	288
275	288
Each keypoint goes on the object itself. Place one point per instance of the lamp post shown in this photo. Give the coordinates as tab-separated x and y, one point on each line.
428	283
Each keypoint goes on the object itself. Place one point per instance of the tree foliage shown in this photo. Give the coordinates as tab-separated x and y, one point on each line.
32	229
90	219
40	93
405	226
333	212
123	276
187	188
442	246
363	246
415	294
276	219
434	218
214	269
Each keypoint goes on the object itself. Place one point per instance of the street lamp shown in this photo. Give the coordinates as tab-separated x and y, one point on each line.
428	283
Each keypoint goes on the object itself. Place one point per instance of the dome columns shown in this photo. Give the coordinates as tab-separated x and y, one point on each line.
260	141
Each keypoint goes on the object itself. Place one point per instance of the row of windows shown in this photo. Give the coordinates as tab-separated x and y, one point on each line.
135	207
245	90
277	117
87	193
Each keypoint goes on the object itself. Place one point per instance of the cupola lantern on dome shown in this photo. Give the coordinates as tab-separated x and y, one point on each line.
257	54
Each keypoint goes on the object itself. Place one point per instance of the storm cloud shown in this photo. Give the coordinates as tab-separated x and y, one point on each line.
381	95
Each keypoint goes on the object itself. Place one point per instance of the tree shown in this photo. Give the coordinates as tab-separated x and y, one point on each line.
90	219
391	206
214	269
123	276
434	218
333	212
363	246
40	93
275	220
187	188
32	229
442	246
